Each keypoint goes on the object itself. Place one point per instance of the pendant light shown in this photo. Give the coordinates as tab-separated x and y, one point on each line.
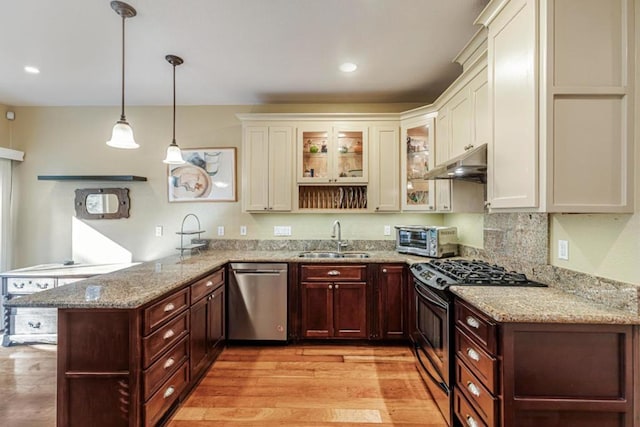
122	135
174	155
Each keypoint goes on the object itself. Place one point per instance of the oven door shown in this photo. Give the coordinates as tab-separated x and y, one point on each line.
431	338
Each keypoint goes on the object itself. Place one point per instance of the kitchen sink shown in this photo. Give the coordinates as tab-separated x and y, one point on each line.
325	254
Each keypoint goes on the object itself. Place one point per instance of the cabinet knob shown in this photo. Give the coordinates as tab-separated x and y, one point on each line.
430	207
265	208
473	322
445	207
169	363
471	422
169	391
473	355
384	270
337	286
35	325
473	389
18	285
377	208
42	285
330	286
168	334
209	283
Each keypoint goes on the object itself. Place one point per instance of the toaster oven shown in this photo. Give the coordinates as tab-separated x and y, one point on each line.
427	240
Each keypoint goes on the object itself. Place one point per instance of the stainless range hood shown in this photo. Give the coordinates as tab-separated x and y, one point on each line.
468	166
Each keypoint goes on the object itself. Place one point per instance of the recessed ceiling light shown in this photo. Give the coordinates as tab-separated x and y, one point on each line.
348	67
31	70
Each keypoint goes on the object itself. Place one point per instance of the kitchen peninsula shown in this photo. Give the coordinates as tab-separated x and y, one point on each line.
127	340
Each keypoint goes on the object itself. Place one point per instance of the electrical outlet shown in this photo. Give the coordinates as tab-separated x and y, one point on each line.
563	249
220	230
243	230
282	230
158	231
387	230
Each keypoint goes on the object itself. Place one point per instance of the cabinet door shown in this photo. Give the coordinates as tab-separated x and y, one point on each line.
479	92
256	168
443	137
392	300
315	154
317	310
198	337
215	321
513	102
385	174
417	158
280	168
350	309
351	154
460	123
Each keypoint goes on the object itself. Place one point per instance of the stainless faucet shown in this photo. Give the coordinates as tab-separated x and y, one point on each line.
340	243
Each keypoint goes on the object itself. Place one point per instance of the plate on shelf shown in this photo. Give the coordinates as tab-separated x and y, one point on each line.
190	181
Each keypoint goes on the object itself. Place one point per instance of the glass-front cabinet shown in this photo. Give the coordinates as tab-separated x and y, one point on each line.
418	158
332	153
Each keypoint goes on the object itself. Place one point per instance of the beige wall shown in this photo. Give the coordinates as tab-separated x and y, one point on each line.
72	141
470	228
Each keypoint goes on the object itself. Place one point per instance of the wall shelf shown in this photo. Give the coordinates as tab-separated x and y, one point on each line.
91	178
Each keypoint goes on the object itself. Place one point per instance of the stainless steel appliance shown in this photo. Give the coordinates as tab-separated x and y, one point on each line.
432	337
427	240
257	304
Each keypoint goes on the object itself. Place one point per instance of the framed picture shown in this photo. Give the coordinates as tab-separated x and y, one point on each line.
209	175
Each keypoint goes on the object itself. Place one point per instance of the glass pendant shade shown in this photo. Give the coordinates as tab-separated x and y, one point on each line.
122	136
174	155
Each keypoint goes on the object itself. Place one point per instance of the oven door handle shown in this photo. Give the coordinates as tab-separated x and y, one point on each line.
431	300
439	383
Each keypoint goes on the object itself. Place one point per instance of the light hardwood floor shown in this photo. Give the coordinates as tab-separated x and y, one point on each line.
300	385
311	385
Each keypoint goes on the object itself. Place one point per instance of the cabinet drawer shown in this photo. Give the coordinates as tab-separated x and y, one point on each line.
483	401
483	365
27	320
465	412
165	367
162	400
477	326
165	309
17	285
334	272
204	286
159	341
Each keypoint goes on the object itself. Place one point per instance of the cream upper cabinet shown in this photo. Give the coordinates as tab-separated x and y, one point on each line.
332	153
384	185
443	142
561	102
267	168
418	157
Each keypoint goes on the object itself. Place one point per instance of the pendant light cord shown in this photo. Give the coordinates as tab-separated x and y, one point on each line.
122	117
174	103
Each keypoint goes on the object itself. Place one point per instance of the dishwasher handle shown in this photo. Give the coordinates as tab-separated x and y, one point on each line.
256	271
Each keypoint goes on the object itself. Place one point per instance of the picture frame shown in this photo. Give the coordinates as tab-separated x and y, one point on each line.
209	175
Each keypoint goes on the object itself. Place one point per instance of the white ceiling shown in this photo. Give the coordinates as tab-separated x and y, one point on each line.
235	51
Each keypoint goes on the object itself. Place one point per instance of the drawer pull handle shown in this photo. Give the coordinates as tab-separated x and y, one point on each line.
474	355
168	334
42	285
169	307
473	389
468	147
209	283
470	421
333	273
169	363
473	322
35	325
18	285
169	391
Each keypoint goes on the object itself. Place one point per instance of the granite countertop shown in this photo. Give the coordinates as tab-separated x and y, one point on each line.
140	284
137	285
62	270
540	305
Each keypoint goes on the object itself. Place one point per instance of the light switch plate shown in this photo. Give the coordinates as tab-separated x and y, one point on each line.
243	230
387	230
563	249
158	231
220	230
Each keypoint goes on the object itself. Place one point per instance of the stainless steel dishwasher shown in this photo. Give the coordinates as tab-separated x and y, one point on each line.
257	304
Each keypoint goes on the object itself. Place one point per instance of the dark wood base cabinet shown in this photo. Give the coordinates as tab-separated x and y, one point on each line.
542	375
132	367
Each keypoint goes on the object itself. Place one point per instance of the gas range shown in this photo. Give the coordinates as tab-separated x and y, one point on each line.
441	274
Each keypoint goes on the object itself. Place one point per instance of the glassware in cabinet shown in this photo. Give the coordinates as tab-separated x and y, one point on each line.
417	160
